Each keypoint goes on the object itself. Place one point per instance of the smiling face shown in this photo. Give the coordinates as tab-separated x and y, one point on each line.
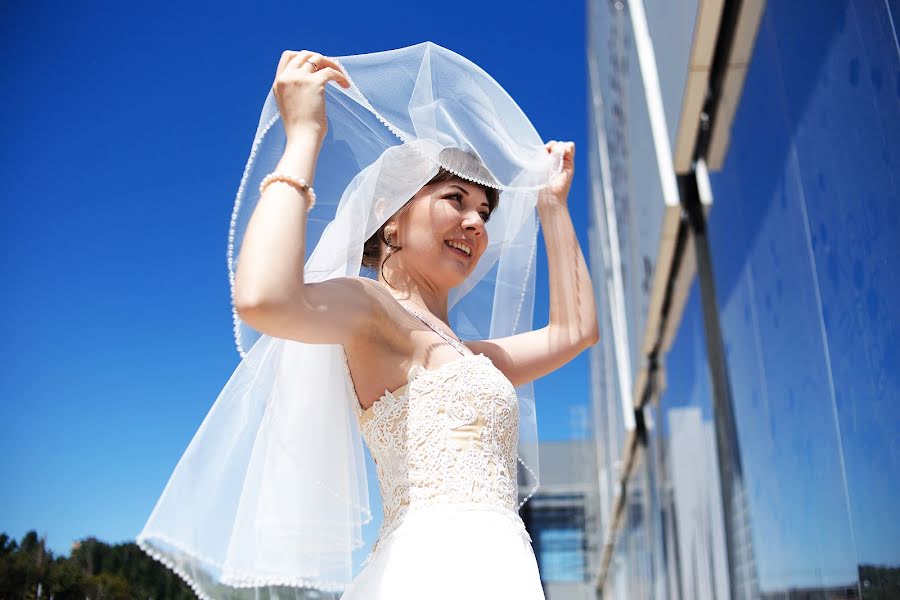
441	232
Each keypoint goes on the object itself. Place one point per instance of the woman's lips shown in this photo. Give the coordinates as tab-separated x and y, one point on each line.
457	251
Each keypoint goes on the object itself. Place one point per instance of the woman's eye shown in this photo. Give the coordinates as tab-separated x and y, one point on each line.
484	215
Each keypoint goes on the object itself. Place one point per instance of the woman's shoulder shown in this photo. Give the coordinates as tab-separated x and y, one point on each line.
386	335
376	292
352	284
367	281
385	313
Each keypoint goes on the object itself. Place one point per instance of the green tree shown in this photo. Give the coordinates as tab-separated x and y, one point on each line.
94	570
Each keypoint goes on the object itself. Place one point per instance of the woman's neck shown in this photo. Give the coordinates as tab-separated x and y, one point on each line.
422	295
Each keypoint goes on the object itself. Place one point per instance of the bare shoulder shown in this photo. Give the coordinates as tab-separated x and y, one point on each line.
527	356
379	351
359	291
375	311
384	312
341	310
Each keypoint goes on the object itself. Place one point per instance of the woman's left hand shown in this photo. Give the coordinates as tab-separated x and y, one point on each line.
557	191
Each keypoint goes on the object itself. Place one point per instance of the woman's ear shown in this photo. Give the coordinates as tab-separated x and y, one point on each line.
380	208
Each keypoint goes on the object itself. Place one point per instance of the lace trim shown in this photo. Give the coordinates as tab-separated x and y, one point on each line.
236	320
235	578
531	263
536	482
414	373
393	129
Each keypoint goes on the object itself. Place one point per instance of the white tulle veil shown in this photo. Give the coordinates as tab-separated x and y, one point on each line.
270	497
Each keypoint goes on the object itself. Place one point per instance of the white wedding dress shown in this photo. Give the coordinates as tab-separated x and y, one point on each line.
445	451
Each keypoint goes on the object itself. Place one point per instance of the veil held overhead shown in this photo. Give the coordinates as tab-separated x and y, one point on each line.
271	495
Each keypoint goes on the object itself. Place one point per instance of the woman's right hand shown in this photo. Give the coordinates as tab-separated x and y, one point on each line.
299	89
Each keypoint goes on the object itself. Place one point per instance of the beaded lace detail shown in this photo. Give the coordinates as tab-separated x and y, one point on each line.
449	435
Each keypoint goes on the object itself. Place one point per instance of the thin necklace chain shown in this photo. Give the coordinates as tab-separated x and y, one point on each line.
457	345
414	302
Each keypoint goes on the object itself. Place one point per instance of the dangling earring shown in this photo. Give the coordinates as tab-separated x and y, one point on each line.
385	235
388	232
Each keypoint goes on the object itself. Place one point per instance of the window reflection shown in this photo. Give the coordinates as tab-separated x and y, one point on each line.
805	217
803	233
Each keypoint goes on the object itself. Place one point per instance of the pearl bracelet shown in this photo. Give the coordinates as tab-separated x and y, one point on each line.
297	182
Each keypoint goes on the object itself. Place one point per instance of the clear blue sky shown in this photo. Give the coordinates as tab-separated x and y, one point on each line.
126	129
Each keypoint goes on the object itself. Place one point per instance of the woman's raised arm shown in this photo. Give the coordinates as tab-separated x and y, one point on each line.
269	292
572	325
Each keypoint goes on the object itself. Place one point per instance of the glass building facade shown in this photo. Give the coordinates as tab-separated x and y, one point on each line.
745	170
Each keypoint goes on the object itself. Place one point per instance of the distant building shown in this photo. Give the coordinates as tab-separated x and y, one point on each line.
695	504
561	519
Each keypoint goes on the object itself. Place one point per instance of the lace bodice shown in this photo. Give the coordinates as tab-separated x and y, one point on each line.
449	435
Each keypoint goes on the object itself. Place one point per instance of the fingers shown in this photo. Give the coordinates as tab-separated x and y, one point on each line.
291	59
328	70
285	57
300	61
307	61
567	149
324	62
333	74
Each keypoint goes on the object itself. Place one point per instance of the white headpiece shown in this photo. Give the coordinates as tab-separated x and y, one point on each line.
271	494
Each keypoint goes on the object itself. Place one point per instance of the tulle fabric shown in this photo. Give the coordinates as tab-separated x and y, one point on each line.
271	495
239	515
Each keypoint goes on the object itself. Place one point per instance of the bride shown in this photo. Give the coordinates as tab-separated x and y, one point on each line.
441	416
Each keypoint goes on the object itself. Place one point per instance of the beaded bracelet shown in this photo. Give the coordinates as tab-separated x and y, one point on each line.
297	182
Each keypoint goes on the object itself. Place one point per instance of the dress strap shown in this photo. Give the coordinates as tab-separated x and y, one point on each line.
457	345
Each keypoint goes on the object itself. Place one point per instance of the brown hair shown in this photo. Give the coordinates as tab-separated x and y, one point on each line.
372	258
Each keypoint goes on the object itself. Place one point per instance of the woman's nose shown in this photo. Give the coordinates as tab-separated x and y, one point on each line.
473	222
